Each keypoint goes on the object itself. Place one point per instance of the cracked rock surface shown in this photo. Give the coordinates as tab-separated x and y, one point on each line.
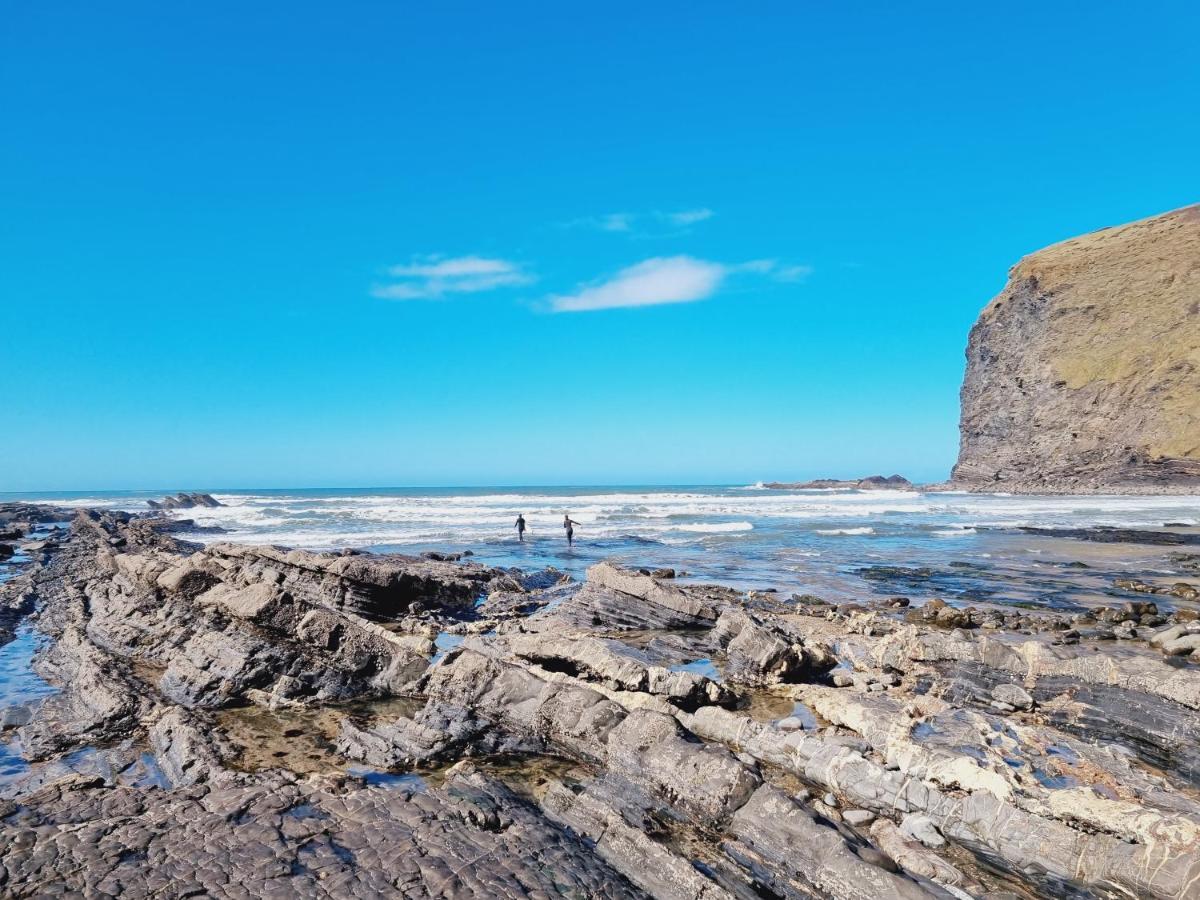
230	721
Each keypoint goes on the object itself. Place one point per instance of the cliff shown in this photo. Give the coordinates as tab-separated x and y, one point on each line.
1083	374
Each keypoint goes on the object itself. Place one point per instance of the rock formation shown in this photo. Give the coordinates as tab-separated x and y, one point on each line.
184	500
870	483
1083	374
255	721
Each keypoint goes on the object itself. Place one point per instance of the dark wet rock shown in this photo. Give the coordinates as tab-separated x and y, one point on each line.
279	837
1189	562
870	483
173	526
1106	535
438	556
18	517
895	573
184	500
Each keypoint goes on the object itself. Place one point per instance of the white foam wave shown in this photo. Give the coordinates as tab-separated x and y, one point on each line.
713	527
693	515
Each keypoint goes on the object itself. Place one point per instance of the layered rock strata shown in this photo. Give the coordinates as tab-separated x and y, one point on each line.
234	721
1083	374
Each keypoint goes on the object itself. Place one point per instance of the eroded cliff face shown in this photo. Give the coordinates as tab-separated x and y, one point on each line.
1083	374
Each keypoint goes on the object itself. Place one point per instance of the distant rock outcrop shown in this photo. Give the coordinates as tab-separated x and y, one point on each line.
870	483
1083	375
184	500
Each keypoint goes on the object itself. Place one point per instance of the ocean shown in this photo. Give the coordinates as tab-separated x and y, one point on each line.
837	544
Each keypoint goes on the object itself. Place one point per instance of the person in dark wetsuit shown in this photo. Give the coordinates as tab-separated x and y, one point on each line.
520	527
569	523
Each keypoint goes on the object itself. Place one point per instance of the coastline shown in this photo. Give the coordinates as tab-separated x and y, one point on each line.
452	708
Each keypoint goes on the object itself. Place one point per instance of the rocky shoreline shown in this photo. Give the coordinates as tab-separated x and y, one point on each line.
256	721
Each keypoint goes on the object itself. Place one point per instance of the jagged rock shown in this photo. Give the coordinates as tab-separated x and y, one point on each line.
184	500
915	858
616	666
870	483
631	774
618	599
757	654
627	848
774	829
923	830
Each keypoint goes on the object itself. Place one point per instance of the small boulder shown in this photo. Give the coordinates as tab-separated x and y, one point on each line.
1014	695
858	817
921	828
1181	645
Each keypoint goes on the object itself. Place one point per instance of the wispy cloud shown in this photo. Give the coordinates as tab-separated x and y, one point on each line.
688	216
431	277
672	279
656	223
669	279
776	270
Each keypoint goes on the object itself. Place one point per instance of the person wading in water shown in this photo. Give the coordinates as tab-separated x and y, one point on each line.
520	527
568	524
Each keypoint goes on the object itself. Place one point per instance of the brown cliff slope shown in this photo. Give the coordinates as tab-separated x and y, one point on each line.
1083	375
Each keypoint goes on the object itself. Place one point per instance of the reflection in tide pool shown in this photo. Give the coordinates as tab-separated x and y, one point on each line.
19	684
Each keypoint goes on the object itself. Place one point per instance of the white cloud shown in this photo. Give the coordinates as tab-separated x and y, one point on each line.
431	277
688	216
757	266
670	279
644	224
673	279
777	271
792	273
617	222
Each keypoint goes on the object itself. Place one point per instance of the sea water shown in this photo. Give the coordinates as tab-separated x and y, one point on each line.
837	544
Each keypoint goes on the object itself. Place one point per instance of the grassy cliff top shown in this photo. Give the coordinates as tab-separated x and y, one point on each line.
1126	311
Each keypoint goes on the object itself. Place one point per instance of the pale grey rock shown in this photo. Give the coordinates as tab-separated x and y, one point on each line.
1012	695
922	829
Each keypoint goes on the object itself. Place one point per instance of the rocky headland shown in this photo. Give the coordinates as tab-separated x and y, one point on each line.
1083	374
241	721
870	483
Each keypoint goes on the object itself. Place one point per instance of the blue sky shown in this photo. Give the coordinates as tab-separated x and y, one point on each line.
300	244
